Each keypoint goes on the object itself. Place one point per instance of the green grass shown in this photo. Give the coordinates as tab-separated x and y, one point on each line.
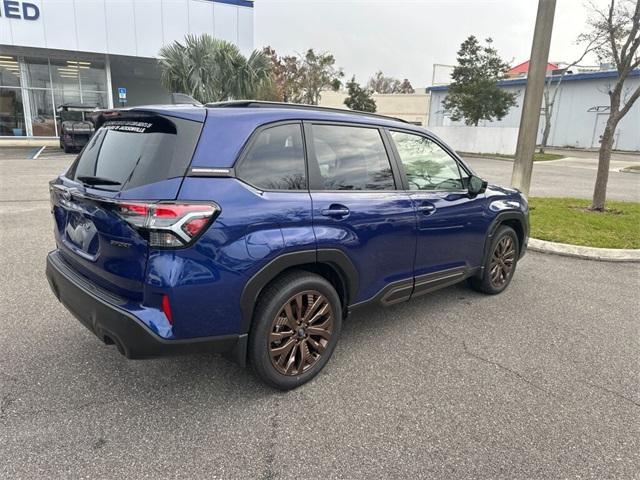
543	157
537	157
567	220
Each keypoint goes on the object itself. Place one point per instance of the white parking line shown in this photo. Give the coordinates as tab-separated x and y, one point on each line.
38	153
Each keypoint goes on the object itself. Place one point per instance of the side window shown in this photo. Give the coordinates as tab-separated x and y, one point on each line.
352	158
275	160
428	166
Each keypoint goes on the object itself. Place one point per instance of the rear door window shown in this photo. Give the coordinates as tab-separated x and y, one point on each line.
275	160
351	158
128	153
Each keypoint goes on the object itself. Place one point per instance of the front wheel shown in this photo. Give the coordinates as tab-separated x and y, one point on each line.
500	263
295	330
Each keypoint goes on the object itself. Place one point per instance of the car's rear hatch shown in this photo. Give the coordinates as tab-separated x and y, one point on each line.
135	156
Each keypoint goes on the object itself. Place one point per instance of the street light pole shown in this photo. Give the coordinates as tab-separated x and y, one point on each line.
530	118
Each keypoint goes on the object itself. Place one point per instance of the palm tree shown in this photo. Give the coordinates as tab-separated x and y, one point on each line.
212	70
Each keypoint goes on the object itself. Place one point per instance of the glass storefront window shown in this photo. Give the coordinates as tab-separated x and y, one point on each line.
11	113
48	83
64	75
66	96
99	99
38	72
43	122
9	71
93	76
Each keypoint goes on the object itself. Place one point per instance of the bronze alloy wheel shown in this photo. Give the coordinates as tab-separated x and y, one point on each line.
300	332
502	261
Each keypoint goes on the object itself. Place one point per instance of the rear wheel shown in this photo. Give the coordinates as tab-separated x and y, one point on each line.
296	327
500	263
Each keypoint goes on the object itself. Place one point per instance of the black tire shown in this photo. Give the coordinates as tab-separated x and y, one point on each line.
488	283
268	320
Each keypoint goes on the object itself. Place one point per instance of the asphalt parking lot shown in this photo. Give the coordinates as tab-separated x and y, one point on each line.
541	381
573	176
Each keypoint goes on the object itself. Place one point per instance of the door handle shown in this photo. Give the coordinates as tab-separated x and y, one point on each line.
427	208
336	211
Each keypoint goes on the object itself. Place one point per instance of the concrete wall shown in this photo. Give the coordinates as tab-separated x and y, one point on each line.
578	118
501	140
125	27
412	107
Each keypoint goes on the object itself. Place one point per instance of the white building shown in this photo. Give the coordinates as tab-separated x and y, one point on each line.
580	112
59	51
412	107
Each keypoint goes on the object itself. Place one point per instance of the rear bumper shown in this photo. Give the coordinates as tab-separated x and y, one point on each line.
99	312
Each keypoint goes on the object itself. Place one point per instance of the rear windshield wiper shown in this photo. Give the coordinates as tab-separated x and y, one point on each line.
90	180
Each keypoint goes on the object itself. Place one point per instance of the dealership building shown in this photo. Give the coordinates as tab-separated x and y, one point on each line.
97	52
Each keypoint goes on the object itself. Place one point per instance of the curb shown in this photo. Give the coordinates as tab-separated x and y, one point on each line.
588	253
488	157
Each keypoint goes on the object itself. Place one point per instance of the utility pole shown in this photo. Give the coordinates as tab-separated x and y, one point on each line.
530	118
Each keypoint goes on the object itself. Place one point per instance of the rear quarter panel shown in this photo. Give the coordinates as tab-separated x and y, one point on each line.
206	280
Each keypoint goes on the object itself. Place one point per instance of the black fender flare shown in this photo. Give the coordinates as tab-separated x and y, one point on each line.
500	218
335	258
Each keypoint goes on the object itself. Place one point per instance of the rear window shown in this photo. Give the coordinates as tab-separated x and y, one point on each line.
128	153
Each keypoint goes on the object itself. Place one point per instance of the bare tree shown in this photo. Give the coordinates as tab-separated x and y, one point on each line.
379	83
552	87
619	25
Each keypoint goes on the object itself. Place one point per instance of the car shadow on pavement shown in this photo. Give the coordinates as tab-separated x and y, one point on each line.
170	377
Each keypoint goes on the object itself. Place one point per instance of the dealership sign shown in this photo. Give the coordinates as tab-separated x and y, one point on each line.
19	10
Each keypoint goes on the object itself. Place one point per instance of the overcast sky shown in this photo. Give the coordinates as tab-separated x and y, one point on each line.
404	38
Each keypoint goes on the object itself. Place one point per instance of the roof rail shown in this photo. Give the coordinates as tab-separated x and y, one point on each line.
265	104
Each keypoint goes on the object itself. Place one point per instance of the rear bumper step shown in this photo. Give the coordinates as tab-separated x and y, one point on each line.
109	322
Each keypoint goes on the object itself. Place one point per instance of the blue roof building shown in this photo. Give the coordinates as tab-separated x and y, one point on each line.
580	112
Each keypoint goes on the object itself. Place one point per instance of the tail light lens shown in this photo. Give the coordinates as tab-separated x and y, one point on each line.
169	225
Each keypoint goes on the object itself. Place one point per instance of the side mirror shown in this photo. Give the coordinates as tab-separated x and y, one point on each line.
476	185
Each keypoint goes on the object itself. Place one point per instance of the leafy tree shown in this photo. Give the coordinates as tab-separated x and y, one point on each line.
359	98
474	94
317	73
210	70
269	91
619	27
301	78
379	83
284	76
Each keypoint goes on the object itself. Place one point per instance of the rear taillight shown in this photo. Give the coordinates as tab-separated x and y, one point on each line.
168	225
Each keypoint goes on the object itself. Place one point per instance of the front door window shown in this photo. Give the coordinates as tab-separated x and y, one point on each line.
427	165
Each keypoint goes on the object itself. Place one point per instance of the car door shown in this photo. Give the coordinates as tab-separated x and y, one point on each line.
360	208
451	226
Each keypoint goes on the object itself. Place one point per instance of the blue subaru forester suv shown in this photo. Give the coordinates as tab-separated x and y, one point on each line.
253	229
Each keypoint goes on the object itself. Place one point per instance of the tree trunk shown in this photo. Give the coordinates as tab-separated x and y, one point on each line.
545	133
604	160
